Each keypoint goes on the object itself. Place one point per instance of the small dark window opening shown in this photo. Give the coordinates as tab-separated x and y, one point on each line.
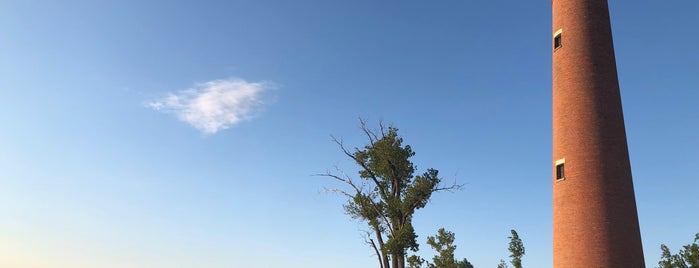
560	172
557	41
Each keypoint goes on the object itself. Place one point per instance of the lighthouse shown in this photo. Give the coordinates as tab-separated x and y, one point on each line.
595	221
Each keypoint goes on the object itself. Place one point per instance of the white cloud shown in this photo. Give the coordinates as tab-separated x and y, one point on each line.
215	105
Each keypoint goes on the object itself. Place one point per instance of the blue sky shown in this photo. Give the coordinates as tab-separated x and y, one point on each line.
185	134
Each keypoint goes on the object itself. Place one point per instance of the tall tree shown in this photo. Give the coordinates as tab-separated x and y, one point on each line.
516	249
443	243
387	193
688	257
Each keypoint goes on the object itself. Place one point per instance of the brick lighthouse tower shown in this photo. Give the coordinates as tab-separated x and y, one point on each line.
595	223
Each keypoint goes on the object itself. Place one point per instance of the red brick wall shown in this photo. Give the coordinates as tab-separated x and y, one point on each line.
595	223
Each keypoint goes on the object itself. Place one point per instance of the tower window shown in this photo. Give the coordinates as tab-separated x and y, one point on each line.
557	41
560	169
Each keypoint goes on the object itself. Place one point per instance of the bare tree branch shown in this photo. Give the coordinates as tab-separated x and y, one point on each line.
358	190
382	128
335	190
370	134
378	255
370	242
362	164
451	188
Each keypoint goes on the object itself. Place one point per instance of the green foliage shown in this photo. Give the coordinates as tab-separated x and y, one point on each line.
402	239
388	193
502	264
415	261
668	260
443	243
516	249
688	257
464	264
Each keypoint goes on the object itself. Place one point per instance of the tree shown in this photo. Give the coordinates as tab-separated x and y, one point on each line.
387	193
688	257
443	243
502	264
516	249
690	253
415	261
668	260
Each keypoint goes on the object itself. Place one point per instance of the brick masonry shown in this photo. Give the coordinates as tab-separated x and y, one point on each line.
595	222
